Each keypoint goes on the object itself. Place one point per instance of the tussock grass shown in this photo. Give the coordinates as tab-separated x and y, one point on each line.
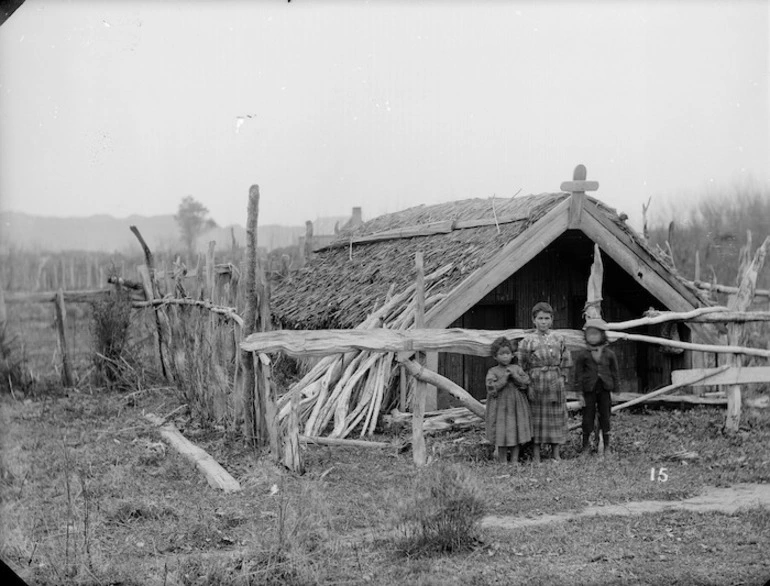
440	512
110	327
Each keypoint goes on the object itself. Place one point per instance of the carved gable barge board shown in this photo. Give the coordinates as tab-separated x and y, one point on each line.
649	262
645	269
510	259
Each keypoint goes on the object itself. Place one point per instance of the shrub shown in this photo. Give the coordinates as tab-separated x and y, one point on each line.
442	513
110	333
15	375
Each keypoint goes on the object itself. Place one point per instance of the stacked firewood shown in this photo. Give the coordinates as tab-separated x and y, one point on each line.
346	392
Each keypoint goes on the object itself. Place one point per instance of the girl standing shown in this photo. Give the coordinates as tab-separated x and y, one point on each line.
543	355
508	418
597	375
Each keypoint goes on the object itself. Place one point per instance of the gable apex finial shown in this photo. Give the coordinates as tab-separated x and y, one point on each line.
579	183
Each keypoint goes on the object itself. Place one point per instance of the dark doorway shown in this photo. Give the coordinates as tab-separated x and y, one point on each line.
469	371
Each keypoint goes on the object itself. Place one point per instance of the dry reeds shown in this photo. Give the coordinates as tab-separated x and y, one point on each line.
347	392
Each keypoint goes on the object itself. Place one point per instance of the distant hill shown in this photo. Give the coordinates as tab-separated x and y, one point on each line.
108	234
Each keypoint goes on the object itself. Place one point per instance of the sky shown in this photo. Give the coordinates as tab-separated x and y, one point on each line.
126	107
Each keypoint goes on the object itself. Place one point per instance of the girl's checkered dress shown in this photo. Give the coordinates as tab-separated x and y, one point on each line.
544	357
508	420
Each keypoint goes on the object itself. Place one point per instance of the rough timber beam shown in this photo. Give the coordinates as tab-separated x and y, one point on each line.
510	259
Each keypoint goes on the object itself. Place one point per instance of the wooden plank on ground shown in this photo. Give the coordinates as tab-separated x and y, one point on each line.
215	475
344	443
737	375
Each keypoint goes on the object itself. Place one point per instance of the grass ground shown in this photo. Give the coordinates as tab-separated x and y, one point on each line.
90	495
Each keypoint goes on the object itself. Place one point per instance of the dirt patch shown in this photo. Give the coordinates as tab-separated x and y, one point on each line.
720	500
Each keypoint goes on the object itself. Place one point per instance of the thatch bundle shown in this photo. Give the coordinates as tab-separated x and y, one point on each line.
349	390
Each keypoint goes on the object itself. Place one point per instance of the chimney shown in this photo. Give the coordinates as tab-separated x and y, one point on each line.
357	219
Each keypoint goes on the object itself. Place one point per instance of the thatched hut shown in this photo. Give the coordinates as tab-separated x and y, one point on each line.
505	255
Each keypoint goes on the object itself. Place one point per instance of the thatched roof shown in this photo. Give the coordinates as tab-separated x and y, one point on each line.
340	286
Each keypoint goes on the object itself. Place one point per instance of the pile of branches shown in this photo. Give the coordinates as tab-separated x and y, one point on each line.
348	391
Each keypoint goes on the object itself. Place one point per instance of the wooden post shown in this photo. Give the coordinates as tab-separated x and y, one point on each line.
741	302
3	313
697	265
308	251
144	274
60	326
170	289
403	389
254	411
420	388
263	299
271	411
233	247
39	277
593	307
292	458
645	229
151	291
593	310
210	294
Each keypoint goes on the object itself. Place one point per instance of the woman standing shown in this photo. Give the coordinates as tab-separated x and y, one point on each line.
543	355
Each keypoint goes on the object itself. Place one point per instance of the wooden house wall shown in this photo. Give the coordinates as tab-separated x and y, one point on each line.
559	275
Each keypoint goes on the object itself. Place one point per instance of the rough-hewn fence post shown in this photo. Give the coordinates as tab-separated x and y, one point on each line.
151	292
254	415
420	387
61	314
741	302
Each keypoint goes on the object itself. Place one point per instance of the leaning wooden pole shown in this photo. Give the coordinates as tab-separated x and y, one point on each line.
151	292
741	302
254	414
420	389
428	376
61	314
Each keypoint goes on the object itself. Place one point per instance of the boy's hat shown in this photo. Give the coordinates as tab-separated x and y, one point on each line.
597	323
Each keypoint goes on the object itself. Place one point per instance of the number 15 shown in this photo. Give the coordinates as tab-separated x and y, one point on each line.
662	475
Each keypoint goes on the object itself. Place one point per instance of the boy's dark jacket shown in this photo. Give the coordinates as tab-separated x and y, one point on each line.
588	371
